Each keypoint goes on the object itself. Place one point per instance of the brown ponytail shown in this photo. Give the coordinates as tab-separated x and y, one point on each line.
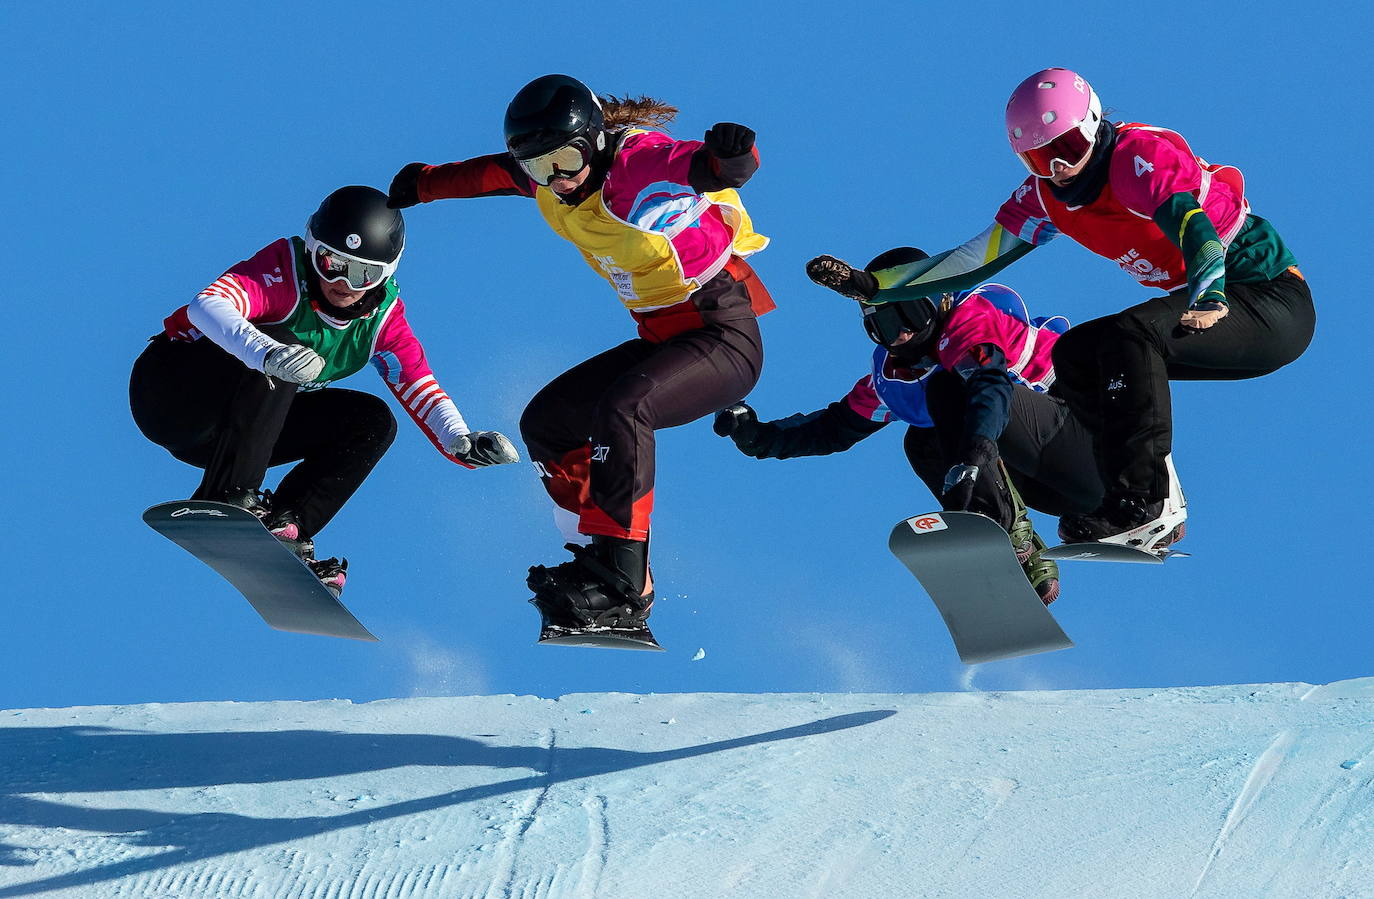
622	112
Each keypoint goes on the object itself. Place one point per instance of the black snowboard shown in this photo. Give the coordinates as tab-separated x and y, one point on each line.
234	543
552	634
966	563
600	638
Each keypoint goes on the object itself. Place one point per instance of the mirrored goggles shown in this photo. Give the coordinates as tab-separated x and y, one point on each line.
359	274
564	162
885	323
1068	149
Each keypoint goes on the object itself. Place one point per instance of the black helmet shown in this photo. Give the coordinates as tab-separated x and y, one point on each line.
551	111
885	322
355	221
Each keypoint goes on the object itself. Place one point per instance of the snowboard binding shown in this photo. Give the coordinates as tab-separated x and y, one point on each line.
590	602
1148	528
1042	573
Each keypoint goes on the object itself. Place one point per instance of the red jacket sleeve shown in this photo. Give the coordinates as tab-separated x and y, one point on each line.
497	175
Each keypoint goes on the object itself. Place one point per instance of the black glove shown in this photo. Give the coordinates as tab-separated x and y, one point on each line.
725	140
738	422
405	187
959	484
980	455
843	278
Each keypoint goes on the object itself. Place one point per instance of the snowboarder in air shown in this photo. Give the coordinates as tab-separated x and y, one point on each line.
967	373
1236	305
661	221
233	384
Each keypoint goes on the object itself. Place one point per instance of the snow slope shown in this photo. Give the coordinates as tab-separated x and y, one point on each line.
1234	791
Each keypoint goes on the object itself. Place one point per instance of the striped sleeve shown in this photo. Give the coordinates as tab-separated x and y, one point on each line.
952	271
258	289
1023	215
227	287
400	360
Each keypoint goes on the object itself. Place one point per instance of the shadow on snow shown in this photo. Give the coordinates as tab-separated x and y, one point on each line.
104	759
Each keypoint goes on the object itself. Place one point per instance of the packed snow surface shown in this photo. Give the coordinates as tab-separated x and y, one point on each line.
1231	791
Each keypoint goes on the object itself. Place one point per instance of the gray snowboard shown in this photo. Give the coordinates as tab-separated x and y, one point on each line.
966	563
234	543
1106	552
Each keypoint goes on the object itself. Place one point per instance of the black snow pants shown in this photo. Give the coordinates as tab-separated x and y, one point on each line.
1115	371
618	399
209	410
1046	449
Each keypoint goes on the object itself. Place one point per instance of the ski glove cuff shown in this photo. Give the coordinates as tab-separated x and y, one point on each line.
405	187
482	448
980	452
293	363
843	278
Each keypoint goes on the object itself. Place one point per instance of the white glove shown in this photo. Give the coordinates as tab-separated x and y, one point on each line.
293	363
482	448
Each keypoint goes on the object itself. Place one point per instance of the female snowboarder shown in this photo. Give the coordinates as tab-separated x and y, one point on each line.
1236	304
660	220
967	374
231	385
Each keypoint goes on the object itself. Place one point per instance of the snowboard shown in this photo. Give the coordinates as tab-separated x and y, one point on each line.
1107	552
966	563
551	634
600	638
279	586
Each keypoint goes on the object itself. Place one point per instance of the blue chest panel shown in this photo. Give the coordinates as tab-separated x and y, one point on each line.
905	399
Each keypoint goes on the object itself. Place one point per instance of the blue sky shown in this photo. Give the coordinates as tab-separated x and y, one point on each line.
149	149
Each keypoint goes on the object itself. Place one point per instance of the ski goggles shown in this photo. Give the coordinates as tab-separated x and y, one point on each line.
885	323
359	274
562	162
1068	149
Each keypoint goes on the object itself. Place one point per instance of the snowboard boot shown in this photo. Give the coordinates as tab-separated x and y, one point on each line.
287	528
1042	573
1022	533
246	498
605	585
284	525
1130	520
333	573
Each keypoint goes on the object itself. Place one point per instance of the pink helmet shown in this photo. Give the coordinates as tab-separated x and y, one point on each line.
1053	115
